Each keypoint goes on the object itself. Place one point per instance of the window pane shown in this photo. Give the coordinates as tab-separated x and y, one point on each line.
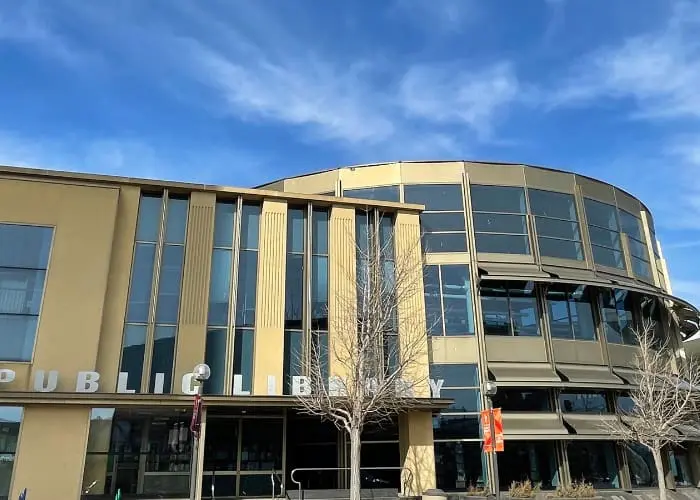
384	193
319	293
25	246
601	214
557	229
442	221
319	232
559	319
134	344
500	223
261	446
496	315
456	296
17	333
435	197
148	224
456	427
433	307
215	357
176	221
560	249
296	233
603	237
458	465
21	290
641	465
524	316
444	242
641	268
466	400
247	281
163	355
582	317
224	222
638	249
457	375
243	356
594	462
506	199
250	226
528	460
583	402
386	236
631	225
220	287
141	283
502	243
293	349
294	291
362	225
522	400
607	257
552	204
169	284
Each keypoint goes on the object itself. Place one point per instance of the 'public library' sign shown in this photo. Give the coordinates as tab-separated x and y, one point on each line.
89	382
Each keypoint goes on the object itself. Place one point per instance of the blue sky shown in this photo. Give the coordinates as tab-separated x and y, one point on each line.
242	92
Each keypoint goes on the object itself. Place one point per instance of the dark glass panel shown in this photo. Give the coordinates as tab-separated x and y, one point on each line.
444	242
386	236
435	197
458	465
296	230
560	249
558	309
502	243
638	249
176	220
169	283
524	316
220	287
250	226
456	427
442	221
433	307
581	309
583	402
21	290
319	292
625	404
504	199
605	238
247	282
455	375
319	232
261	444
641	268
221	447
522	400
552	204
243	356
362	231
465	400
601	214
456	296
17	334
608	257
224	222
294	291
384	193
500	223
570	312
641	465
496	315
133	348
594	462
533	461
215	357
148	222
631	225
163	356
25	246
141	283
293	349
555	228
618	316
255	485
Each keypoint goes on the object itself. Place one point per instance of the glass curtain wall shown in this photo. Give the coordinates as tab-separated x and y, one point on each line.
639	253
556	221
604	233
500	219
510	308
442	222
570	309
448	300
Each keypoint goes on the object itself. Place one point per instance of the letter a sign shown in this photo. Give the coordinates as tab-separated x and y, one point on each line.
486	416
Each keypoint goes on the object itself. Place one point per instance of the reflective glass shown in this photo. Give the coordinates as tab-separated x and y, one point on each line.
261	445
384	193
148	222
176	220
529	460
456	297
246	289
556	228
504	199
294	291
583	402
625	404
502	243
25	246
386	236
570	312
134	346
455	375
442	221
458	465
641	466
17	334
243	356
465	400
603	237
220	287
641	268
141	283
496	315
163	356
638	249
21	290
169	284
608	257
618	316
433	306
560	249
524	316
631	225
215	357
319	232
499	223
601	214
435	197
522	400
444	242
552	204
456	427
362	224
319	292
296	230
293	349
10	421
224	222
250	226
594	462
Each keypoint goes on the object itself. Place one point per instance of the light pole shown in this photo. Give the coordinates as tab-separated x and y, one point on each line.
490	390
200	373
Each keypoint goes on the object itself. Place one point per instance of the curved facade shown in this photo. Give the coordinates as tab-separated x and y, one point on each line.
112	289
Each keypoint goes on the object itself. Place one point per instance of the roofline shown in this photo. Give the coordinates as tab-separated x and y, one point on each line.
480	162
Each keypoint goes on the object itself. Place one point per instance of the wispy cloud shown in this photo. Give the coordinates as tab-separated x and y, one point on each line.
446	16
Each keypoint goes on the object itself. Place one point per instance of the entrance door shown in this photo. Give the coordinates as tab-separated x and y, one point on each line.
312	444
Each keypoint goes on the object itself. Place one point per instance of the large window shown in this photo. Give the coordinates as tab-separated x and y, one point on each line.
641	465
24	257
154	293
10	420
556	220
639	253
459	465
570	309
500	220
523	400
461	383
618	316
583	402
594	462
604	232
509	308
442	222
448	302
384	193
528	460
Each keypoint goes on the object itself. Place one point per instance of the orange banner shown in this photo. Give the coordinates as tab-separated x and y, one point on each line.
497	427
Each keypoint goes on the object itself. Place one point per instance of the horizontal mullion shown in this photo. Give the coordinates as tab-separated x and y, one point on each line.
555	218
521	214
503	234
27	315
606	247
558	238
11	268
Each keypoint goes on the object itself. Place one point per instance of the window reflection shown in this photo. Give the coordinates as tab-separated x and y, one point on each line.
556	220
639	253
604	233
679	463
570	309
10	420
522	400
442	222
528	460
618	316
458	465
641	465
509	308
500	221
447	291
593	462
583	402
384	193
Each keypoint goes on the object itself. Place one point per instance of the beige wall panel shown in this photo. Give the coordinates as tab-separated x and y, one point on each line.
322	182
412	331
549	180
454	350
192	329
269	314
110	345
596	190
572	351
449	172
505	257
499	175
627	202
342	301
71	313
447	258
417	452
622	355
525	349
274	186
51	452
379	175
22	381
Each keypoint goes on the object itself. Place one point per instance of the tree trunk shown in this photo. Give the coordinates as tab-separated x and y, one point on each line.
355	447
661	477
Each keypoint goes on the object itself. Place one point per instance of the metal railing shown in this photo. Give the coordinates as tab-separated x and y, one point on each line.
276	478
408	480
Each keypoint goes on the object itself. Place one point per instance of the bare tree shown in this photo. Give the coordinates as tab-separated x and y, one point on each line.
667	398
377	345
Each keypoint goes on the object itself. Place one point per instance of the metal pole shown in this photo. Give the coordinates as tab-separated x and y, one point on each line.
496	486
195	453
